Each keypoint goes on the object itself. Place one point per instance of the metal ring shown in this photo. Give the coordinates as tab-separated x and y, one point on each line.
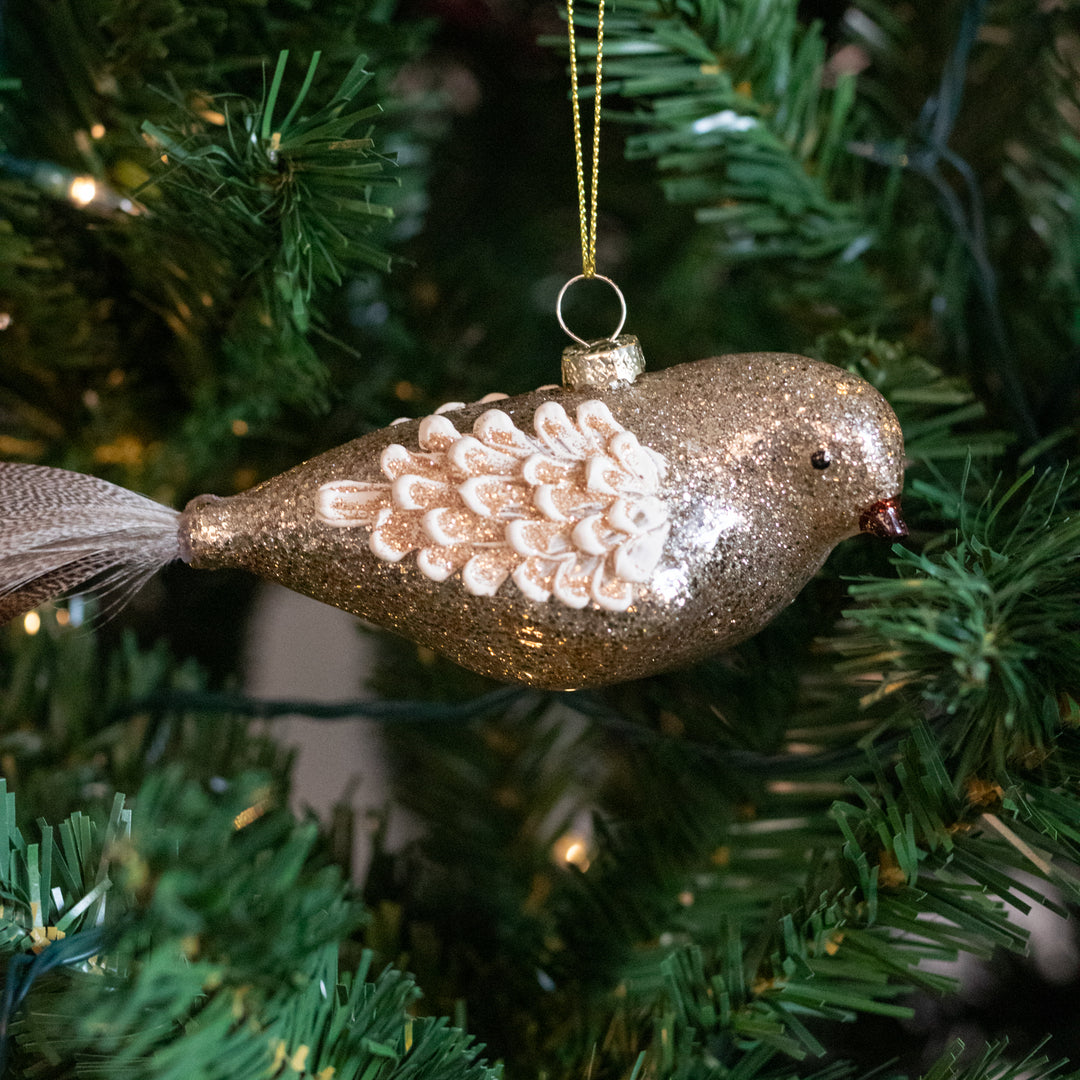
595	277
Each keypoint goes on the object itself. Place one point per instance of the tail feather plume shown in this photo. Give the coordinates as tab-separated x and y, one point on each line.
61	531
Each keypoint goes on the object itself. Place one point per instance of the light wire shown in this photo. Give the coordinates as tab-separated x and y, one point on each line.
587	213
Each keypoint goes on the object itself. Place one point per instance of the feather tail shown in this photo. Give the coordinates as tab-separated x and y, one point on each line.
61	530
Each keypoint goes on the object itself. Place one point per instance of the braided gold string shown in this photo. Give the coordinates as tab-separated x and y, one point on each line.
587	214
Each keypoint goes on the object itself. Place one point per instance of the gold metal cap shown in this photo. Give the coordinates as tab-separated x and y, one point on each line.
602	364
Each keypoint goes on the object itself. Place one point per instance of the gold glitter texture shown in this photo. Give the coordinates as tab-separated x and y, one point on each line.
750	513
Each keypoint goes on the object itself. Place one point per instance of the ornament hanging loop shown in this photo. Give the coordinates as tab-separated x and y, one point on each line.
591	277
604	364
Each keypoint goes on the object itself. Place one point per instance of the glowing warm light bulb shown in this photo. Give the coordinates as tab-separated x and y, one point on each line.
97	131
32	622
82	190
572	850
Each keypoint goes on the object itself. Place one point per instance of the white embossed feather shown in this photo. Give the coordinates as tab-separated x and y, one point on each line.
572	512
61	530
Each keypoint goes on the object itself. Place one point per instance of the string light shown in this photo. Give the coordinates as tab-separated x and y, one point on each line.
82	190
85	192
31	623
572	849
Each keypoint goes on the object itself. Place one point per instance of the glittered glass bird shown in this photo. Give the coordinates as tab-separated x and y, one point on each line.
580	535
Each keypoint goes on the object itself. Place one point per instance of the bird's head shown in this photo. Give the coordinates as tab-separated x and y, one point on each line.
823	447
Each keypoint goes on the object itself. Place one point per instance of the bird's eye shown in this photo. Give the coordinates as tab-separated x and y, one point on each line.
820	459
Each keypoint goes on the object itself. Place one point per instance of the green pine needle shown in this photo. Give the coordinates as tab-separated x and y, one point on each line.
730	103
291	202
994	1064
983	632
222	954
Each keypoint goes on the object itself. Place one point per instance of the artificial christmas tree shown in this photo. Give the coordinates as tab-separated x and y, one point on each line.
762	866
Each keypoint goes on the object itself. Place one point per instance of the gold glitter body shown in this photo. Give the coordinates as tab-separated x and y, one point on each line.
752	516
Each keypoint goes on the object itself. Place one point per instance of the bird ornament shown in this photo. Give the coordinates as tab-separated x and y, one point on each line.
611	528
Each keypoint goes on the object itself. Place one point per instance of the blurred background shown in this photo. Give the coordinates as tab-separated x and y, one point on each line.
188	306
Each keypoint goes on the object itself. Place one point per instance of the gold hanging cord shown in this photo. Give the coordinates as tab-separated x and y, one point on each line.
587	214
616	360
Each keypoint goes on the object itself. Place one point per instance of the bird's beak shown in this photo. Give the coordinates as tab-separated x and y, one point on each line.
883	519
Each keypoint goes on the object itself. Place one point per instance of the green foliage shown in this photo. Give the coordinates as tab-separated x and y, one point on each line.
163	346
34	915
770	846
282	204
922	875
217	935
983	630
994	1064
1047	186
731	106
776	894
987	171
80	720
292	192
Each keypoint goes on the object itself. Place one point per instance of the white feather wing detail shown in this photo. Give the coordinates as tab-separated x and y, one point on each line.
572	511
60	530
